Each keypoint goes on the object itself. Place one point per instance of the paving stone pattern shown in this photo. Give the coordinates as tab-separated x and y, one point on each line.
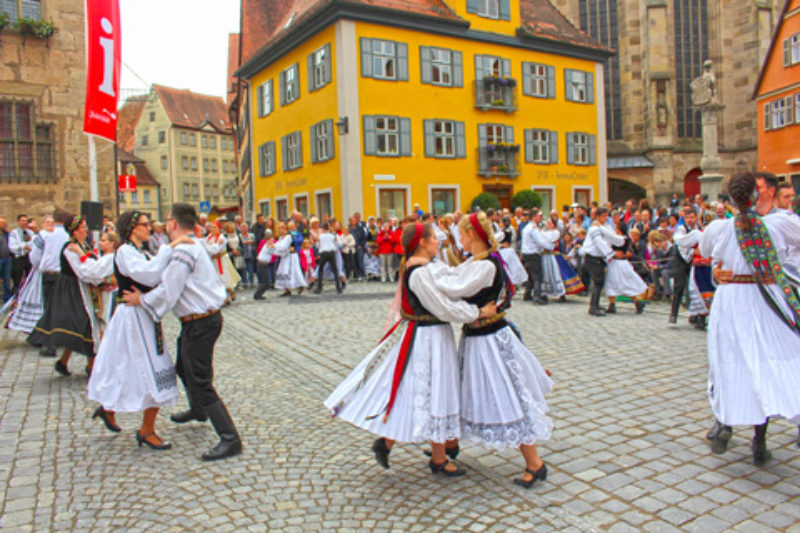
628	452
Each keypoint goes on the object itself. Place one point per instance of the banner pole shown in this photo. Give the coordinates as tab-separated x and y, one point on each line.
92	169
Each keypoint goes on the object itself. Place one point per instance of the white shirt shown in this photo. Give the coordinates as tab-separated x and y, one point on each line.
190	285
686	240
535	241
327	242
447	309
17	244
51	251
135	265
266	253
599	240
38	248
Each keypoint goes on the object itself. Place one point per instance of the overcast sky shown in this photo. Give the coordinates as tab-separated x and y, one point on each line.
178	43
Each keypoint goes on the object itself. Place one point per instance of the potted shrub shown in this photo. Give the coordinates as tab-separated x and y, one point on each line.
486	200
526	199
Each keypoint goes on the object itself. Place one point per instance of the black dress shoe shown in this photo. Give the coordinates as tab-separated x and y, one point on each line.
612	309
142	439
452	453
640	308
673	319
700	323
61	368
187	416
381	452
597	312
101	413
440	469
540	474
719	436
760	452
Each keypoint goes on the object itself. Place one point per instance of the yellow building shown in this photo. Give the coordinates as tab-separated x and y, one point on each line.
358	107
147	196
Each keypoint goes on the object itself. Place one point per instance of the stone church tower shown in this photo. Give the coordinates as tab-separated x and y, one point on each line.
654	135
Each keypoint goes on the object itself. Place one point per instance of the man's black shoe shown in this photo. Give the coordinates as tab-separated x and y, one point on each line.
673	319
597	312
187	416
760	452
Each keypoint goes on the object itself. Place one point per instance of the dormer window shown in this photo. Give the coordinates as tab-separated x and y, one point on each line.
489	8
494	9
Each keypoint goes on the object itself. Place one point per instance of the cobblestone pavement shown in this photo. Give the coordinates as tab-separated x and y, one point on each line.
628	451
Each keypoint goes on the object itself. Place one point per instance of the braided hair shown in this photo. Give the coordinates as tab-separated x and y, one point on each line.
741	190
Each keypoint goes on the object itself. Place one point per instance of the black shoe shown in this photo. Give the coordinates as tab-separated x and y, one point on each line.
540	300
440	469
527	298
719	436
640	308
693	320
452	453
760	452
700	323
229	442
61	368
597	312
562	299
673	319
101	413
381	452
540	474
317	291
47	351
142	439
187	416
258	297
612	309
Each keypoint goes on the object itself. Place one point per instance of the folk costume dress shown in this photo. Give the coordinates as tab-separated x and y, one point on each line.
289	274
701	285
622	279
515	268
552	282
29	305
406	389
217	247
73	321
503	386
133	370
753	337
572	281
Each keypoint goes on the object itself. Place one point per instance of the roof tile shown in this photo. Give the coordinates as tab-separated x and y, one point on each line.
193	110
127	119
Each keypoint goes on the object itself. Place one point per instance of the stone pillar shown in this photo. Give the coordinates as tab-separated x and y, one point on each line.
710	164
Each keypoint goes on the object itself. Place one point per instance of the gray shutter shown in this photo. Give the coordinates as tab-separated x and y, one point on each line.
329	140
312	135
282	87
482	140
461	140
767	117
473	6
370	144
483	163
405	136
529	146
284	150
592	150
570	158
458	69
271	97
589	88
787	54
328	63
788	102
426	68
505	10
402	61
366	57
526	78
479	67
271	151
310	61
508	136
260	100
506	67
552	137
430	144
567	84
299	138
296	82
261	160
551	81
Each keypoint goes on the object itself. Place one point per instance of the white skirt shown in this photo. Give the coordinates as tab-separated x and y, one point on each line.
503	389
30	305
230	276
129	375
622	280
289	274
753	358
426	407
552	282
516	272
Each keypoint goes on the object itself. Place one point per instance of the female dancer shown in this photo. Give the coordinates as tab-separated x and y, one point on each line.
289	274
217	246
503	386
73	323
406	388
134	371
516	271
622	279
30	306
108	244
753	333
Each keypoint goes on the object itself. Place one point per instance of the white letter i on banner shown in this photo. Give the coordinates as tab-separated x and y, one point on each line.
108	58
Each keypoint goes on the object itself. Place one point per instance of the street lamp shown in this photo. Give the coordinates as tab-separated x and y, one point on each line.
342	126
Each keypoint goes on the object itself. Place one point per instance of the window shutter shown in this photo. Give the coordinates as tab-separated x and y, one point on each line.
505	10
282	86
787	54
366	57
461	140
509	134
482	138
506	67
430	144
271	97
260	100
296	82
589	88
767	118
402	61
426	68
529	146
570	155
299	141
592	150
483	157
789	104
567	84
473	6
552	137
262	162
551	81
405	136
479	67
310	61
458	69
327	48
330	128
312	136
527	79
284	150
271	152
797	108
370	144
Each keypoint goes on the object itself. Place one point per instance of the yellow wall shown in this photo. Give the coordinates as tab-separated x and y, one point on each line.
421	101
301	114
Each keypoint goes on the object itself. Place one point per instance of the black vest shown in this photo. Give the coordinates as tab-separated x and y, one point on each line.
124	283
414	302
486	296
66	268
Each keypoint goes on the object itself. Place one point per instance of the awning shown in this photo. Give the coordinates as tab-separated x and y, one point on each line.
633	161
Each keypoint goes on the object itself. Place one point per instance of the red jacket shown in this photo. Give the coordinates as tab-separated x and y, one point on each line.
398	241
385	240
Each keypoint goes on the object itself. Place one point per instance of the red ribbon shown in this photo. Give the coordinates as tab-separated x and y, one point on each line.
418	229
476	225
219	259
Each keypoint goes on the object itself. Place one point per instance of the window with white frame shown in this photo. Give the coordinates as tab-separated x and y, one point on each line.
489	8
214	165
441	66
204	141
579	86
195	190
581	148
194	163
495	133
185	163
192	140
319	68
183	138
292	151
266	156
135	197
387	133
537	146
324	204
538	80
186	191
146	196
384	61
263	207
444	138
212	142
163	162
264	100
779	113
290	85
205	165
225	166
791	50
322	141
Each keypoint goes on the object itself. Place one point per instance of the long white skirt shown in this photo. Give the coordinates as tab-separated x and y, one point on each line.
622	280
516	272
503	389
753	358
552	282
289	274
30	306
129	374
426	407
230	276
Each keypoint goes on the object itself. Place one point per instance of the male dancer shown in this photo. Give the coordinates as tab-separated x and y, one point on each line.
20	242
686	237
534	243
192	288
596	251
327	247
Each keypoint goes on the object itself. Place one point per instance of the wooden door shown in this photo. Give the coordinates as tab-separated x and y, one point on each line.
503	193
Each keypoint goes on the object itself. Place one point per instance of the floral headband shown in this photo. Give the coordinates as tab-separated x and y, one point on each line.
75	223
128	229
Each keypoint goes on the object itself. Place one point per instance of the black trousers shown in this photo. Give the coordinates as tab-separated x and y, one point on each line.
680	274
533	266
195	362
328	258
596	267
20	266
263	280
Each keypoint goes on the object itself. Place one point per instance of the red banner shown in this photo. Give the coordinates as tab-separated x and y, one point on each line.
127	182
102	68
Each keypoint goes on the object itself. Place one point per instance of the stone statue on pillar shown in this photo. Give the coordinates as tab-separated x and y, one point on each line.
704	98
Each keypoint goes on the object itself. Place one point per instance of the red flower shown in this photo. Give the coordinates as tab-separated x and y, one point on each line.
758	242
765	263
755	263
749	242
